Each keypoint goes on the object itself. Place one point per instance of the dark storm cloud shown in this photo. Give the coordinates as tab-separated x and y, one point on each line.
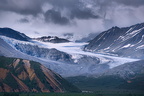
22	6
34	6
74	9
83	14
130	2
55	17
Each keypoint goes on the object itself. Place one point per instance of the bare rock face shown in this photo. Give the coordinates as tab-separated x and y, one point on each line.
17	75
52	39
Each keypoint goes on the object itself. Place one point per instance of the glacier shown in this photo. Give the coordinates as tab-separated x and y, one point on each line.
79	61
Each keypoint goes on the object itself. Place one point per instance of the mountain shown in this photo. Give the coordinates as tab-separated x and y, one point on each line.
127	70
52	39
13	34
51	58
33	49
9	51
126	77
18	75
127	42
58	61
110	84
60	58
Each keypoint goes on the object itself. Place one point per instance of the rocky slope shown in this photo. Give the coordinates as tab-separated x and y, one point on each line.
18	75
52	39
129	76
128	42
34	50
128	70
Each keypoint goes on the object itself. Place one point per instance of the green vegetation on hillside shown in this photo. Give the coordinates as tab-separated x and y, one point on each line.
69	94
4	62
108	83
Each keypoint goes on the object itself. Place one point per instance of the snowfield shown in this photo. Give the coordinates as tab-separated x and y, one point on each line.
75	49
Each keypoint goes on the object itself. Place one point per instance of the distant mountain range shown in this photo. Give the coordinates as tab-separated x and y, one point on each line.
8	32
126	42
52	39
115	54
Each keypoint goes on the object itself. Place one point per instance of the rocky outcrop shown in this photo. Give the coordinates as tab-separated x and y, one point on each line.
52	39
18	75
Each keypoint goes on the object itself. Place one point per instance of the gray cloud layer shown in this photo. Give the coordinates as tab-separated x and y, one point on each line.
22	6
72	16
131	2
55	17
74	8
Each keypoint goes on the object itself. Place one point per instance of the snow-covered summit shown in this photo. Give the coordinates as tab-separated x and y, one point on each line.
125	41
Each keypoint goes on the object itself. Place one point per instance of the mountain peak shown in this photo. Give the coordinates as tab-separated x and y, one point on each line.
126	41
8	32
18	75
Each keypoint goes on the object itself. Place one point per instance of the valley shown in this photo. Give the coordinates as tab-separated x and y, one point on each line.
71	47
91	66
76	50
82	62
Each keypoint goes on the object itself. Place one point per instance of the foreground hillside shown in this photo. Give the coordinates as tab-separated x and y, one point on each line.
18	75
99	93
128	77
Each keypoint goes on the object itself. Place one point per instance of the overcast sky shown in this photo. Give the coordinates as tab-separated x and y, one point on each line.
78	17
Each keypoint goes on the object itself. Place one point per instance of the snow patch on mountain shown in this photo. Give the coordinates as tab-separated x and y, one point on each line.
76	57
140	47
13	42
128	45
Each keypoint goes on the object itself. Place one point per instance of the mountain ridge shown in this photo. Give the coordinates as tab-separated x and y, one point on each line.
18	75
126	41
13	34
51	39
